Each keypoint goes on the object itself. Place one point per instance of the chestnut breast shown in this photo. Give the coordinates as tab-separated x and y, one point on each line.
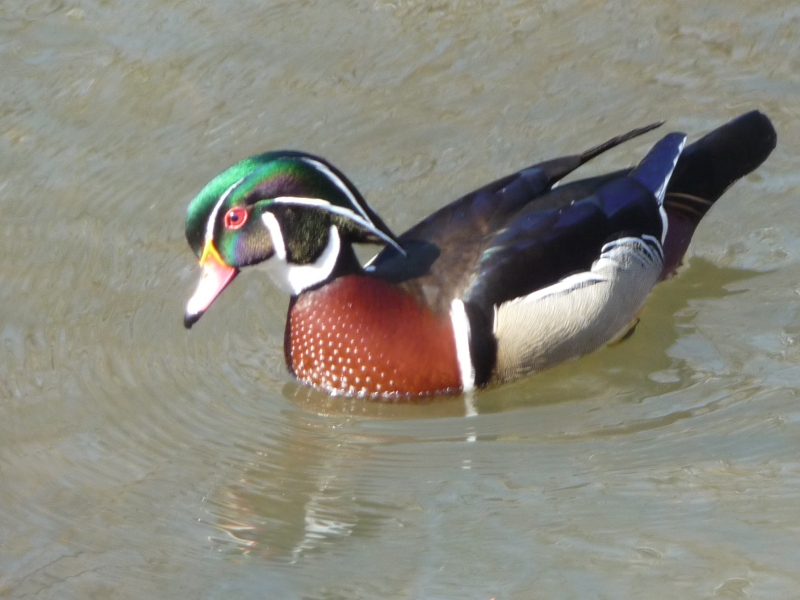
360	335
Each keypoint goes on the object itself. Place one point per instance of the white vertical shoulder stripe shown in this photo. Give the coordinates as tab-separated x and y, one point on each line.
339	210
458	316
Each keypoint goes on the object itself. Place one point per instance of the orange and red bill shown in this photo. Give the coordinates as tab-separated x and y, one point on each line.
215	278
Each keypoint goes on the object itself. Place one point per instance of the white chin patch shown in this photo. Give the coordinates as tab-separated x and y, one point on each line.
294	279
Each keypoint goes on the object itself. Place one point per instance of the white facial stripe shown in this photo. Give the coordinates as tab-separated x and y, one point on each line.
324	204
274	228
337	181
293	279
338	210
460	321
213	216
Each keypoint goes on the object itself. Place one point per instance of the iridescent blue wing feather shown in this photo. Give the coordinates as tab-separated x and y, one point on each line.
444	248
539	247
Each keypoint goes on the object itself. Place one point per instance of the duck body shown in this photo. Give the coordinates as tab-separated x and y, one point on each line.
510	279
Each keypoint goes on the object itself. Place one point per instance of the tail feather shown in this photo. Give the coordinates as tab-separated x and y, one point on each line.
705	170
713	163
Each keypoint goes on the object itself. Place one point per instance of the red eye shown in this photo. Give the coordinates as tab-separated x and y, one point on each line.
235	218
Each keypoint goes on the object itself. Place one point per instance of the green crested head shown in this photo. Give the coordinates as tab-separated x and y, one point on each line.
201	207
305	193
282	207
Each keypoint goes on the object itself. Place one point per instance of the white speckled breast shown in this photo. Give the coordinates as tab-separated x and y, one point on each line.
362	336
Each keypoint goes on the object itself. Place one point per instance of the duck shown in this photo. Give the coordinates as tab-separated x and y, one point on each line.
517	276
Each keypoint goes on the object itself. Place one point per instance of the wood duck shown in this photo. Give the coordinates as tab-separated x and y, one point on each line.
510	279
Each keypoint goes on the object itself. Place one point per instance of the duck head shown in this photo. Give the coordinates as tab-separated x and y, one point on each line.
291	212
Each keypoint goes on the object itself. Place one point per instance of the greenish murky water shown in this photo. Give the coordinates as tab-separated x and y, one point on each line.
138	460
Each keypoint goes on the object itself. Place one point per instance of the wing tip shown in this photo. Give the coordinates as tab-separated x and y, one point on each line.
656	168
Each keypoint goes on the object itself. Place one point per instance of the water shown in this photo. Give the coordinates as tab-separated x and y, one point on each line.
139	460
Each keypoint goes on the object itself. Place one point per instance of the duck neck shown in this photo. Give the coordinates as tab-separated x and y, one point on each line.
336	260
